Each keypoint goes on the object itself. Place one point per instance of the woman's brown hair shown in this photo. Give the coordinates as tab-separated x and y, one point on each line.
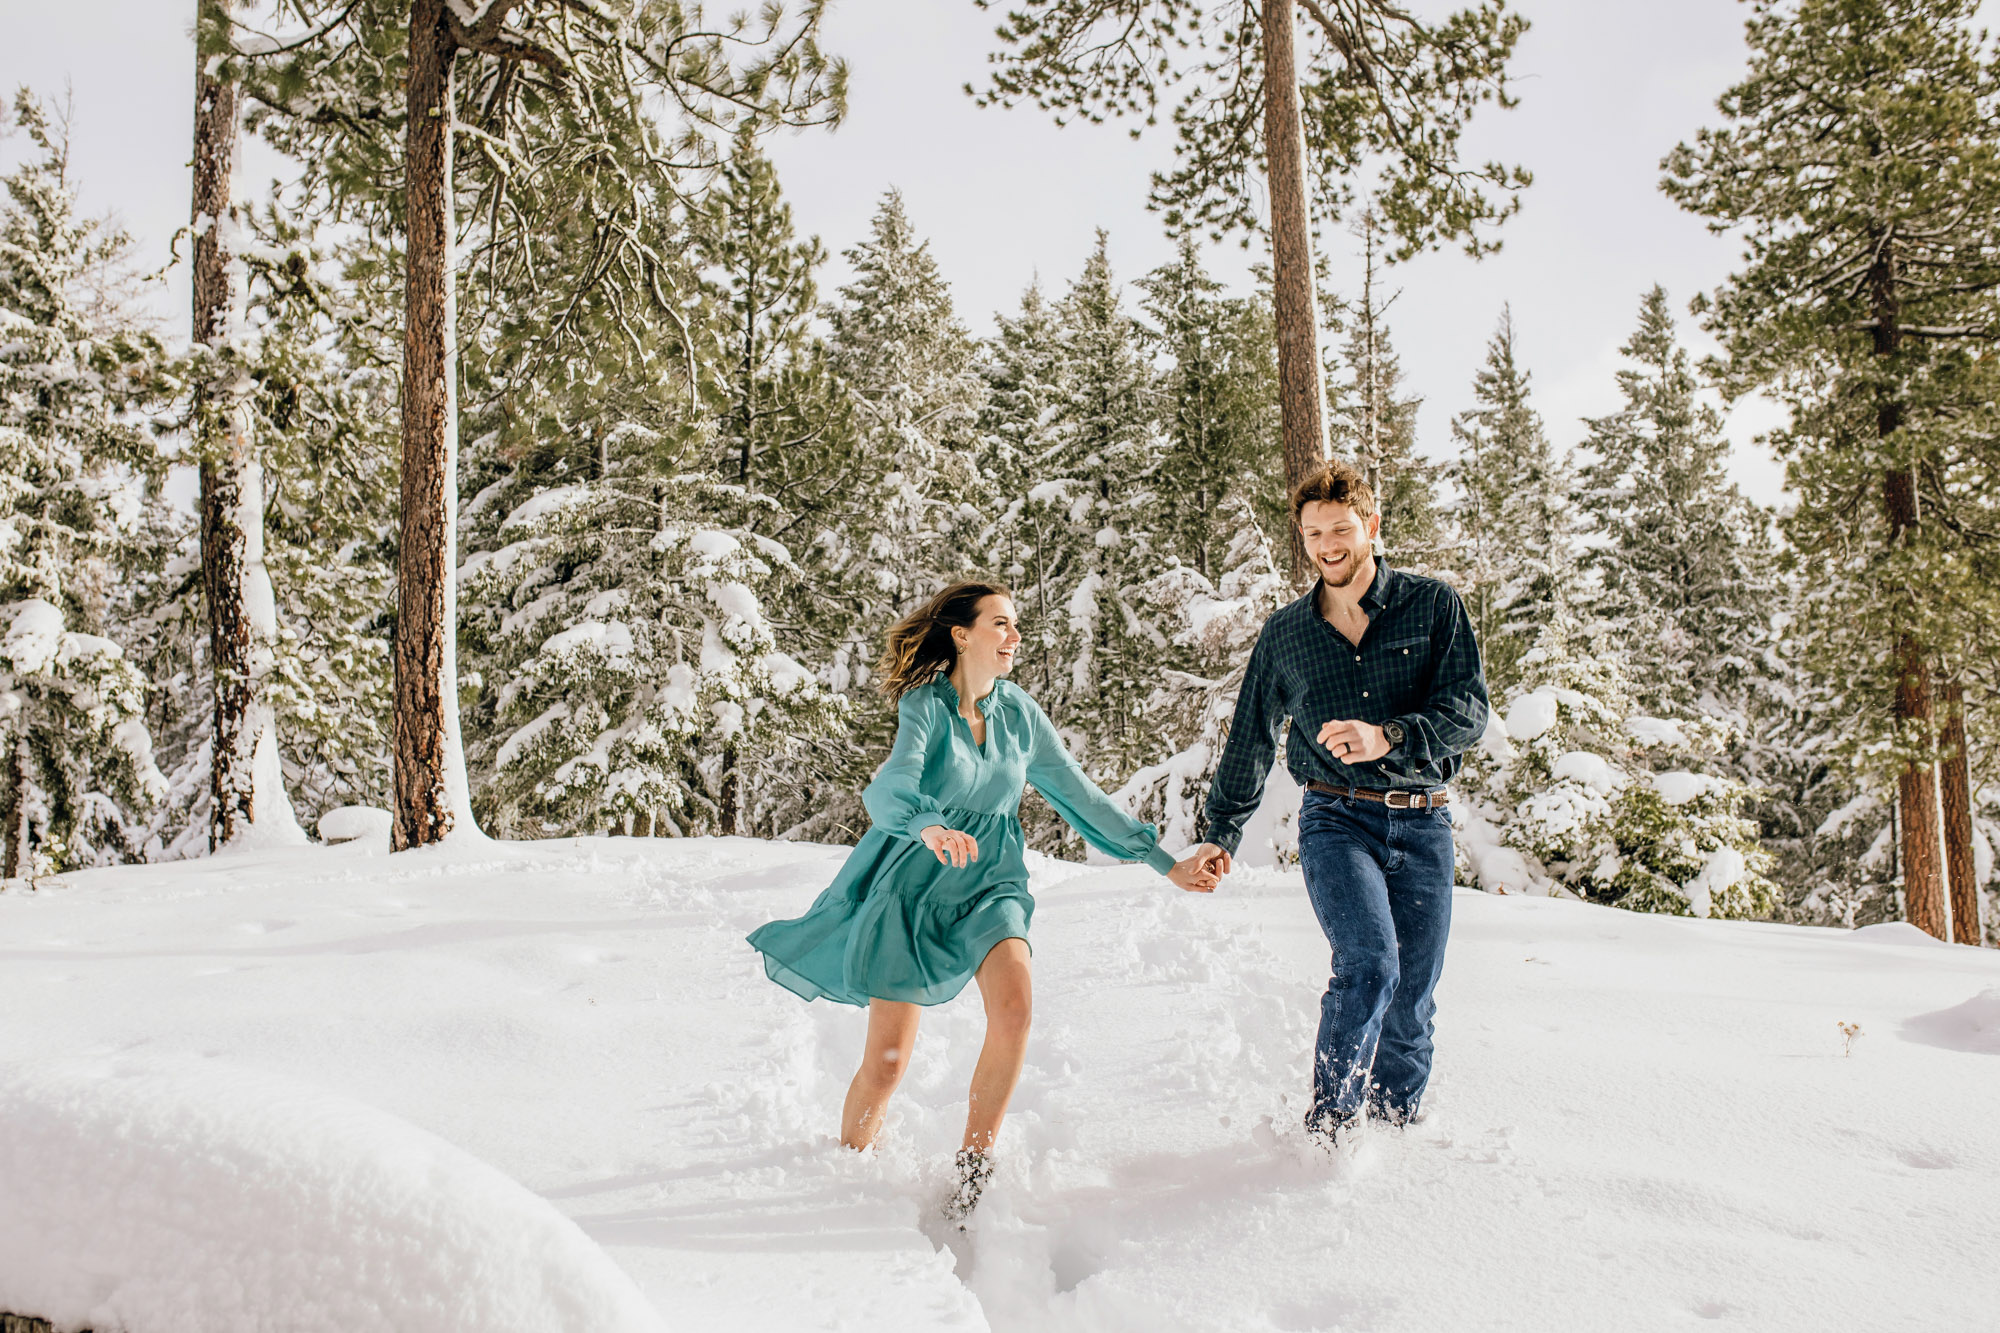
920	646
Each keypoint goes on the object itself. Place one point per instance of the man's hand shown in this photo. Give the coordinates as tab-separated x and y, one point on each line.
1354	742
1193	874
1212	859
953	848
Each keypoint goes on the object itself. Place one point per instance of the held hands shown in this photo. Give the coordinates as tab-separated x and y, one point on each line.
953	848
1194	874
1354	742
1202	868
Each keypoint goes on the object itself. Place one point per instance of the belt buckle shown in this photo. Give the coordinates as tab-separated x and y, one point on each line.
1409	802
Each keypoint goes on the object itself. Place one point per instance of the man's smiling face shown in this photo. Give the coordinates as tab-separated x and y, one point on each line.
1337	540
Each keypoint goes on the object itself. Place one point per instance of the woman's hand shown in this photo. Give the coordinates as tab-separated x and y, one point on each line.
953	848
1194	874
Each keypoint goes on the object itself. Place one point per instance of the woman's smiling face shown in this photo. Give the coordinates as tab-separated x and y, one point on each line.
989	646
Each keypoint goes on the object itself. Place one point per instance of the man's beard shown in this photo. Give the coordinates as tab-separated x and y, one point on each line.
1353	568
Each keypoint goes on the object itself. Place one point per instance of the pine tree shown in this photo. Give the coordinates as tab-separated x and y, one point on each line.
1019	425
761	287
639	682
1378	426
914	495
1379	96
75	458
555	103
1218	402
1862	164
1593	799
1683	563
317	393
1513	516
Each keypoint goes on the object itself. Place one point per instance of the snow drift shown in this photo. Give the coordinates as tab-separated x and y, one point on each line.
167	1199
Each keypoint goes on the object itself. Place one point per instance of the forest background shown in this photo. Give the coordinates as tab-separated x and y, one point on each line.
682	526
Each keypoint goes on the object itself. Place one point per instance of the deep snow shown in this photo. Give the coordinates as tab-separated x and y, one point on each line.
1637	1122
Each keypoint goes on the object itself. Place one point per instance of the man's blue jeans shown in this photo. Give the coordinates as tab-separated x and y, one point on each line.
1380	883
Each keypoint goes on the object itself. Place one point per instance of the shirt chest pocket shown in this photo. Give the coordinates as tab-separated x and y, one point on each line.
1400	663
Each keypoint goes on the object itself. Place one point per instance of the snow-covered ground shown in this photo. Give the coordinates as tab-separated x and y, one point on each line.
1637	1122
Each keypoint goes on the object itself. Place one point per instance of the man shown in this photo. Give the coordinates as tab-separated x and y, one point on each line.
1379	674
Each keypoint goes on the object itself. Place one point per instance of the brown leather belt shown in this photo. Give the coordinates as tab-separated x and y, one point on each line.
1396	798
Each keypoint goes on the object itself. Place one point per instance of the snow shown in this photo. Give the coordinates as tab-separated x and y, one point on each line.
1972	1026
785	672
276	823
185	1194
512	748
1531	715
1840	821
611	638
1638	1121
1592	770
34	636
1678	787
349	822
541	505
1650	731
1724	869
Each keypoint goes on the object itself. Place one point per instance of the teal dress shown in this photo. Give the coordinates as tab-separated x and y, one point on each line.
896	924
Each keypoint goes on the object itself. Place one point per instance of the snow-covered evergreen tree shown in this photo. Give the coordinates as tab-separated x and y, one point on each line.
317	359
1684	565
1217	401
913	490
75	459
1514	513
1375	423
1019	424
1577	792
644	689
772	432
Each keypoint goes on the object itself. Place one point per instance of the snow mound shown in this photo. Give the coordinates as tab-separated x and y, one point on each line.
348	823
1647	732
1972	1026
1896	932
160	1199
1679	787
1531	715
1591	770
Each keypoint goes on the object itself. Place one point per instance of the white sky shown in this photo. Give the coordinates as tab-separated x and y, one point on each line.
1606	87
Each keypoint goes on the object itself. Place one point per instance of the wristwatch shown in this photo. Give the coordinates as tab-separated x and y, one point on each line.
1393	732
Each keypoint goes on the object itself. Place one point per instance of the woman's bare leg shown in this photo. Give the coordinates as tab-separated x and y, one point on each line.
892	1032
1005	986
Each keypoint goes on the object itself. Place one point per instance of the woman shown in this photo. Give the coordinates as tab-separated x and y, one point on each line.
937	893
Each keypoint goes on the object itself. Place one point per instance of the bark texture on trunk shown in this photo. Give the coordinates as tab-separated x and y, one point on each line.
729	815
14	809
1955	795
1916	787
431	796
1301	377
223	444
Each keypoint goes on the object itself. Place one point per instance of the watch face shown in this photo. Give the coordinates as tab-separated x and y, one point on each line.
1394	732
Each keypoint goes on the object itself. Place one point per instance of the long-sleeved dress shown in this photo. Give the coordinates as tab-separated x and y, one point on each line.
896	924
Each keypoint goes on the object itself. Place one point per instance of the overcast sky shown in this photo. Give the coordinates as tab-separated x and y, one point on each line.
1606	88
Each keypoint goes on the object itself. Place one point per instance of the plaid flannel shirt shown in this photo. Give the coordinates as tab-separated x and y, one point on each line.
1417	664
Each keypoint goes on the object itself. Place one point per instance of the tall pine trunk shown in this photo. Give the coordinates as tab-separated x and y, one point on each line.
1916	787
1301	377
228	472
432	797
14	808
1955	796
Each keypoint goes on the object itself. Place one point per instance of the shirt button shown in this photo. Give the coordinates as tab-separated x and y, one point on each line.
1357	657
1364	694
1406	652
